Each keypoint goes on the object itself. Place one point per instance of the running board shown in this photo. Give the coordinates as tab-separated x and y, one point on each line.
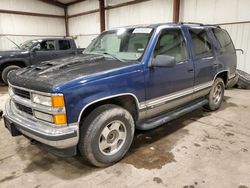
169	116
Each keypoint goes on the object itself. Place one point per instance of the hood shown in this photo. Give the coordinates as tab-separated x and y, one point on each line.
12	53
49	74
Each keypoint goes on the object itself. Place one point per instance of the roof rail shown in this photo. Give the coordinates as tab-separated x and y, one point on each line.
200	24
192	23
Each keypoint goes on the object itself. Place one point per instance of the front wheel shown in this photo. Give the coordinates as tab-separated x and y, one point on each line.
6	71
106	135
216	95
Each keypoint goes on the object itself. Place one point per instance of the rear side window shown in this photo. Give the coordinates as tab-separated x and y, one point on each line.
64	44
171	43
201	44
224	42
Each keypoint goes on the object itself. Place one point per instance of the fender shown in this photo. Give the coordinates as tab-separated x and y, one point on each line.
25	61
221	72
109	97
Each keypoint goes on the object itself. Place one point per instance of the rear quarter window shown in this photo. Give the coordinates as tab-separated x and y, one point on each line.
224	42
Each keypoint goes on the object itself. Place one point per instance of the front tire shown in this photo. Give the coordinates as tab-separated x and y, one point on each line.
106	135
7	70
216	95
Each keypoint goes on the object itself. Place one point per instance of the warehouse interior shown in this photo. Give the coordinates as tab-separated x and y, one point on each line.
200	149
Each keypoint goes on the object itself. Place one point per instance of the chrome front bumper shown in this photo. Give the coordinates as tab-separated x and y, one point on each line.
57	137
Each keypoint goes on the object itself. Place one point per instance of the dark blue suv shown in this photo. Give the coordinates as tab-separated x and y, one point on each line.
128	78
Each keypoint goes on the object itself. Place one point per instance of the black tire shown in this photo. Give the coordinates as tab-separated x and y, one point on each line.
91	135
216	95
6	71
244	80
233	82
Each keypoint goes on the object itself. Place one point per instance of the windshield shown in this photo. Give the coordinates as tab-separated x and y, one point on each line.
122	44
28	44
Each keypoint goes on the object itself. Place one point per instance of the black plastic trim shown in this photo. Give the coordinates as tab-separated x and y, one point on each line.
51	138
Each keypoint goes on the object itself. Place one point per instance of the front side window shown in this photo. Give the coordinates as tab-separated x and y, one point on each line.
201	44
28	44
224	42
123	44
171	42
47	45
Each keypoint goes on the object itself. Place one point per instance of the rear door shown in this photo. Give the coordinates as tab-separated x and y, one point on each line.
65	48
205	63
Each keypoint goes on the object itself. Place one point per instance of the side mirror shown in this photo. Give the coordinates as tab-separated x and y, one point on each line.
36	48
163	61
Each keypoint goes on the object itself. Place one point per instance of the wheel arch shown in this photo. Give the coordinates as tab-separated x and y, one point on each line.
224	75
126	100
19	63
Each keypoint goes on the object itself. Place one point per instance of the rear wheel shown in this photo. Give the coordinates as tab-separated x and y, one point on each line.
215	97
106	135
6	71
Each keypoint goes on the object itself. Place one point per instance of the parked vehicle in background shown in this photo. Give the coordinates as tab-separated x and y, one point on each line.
35	51
127	78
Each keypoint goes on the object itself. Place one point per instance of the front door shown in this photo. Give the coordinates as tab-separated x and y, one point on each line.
167	88
46	51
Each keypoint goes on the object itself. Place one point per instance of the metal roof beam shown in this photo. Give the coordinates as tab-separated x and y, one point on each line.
54	2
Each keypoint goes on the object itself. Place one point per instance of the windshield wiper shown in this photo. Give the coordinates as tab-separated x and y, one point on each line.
112	55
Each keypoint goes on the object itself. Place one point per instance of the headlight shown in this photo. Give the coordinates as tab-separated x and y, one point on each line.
58	119
56	101
44	116
40	99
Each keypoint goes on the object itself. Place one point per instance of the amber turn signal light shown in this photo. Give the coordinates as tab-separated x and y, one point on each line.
57	101
60	119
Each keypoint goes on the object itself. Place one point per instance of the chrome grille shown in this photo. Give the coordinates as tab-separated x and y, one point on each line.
25	109
21	93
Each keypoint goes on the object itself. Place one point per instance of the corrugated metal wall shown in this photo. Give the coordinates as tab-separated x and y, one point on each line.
87	27
20	28
240	34
148	12
223	11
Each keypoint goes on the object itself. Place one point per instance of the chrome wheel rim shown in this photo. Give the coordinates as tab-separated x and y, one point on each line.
217	95
112	137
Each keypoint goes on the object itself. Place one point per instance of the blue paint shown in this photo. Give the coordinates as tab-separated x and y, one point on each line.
146	82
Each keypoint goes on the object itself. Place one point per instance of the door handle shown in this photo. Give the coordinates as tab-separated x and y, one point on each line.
190	70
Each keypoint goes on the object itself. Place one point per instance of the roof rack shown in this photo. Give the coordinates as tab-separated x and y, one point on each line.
192	23
200	24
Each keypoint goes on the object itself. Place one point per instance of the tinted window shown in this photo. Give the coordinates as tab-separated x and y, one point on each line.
47	45
200	43
171	43
225	44
64	45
